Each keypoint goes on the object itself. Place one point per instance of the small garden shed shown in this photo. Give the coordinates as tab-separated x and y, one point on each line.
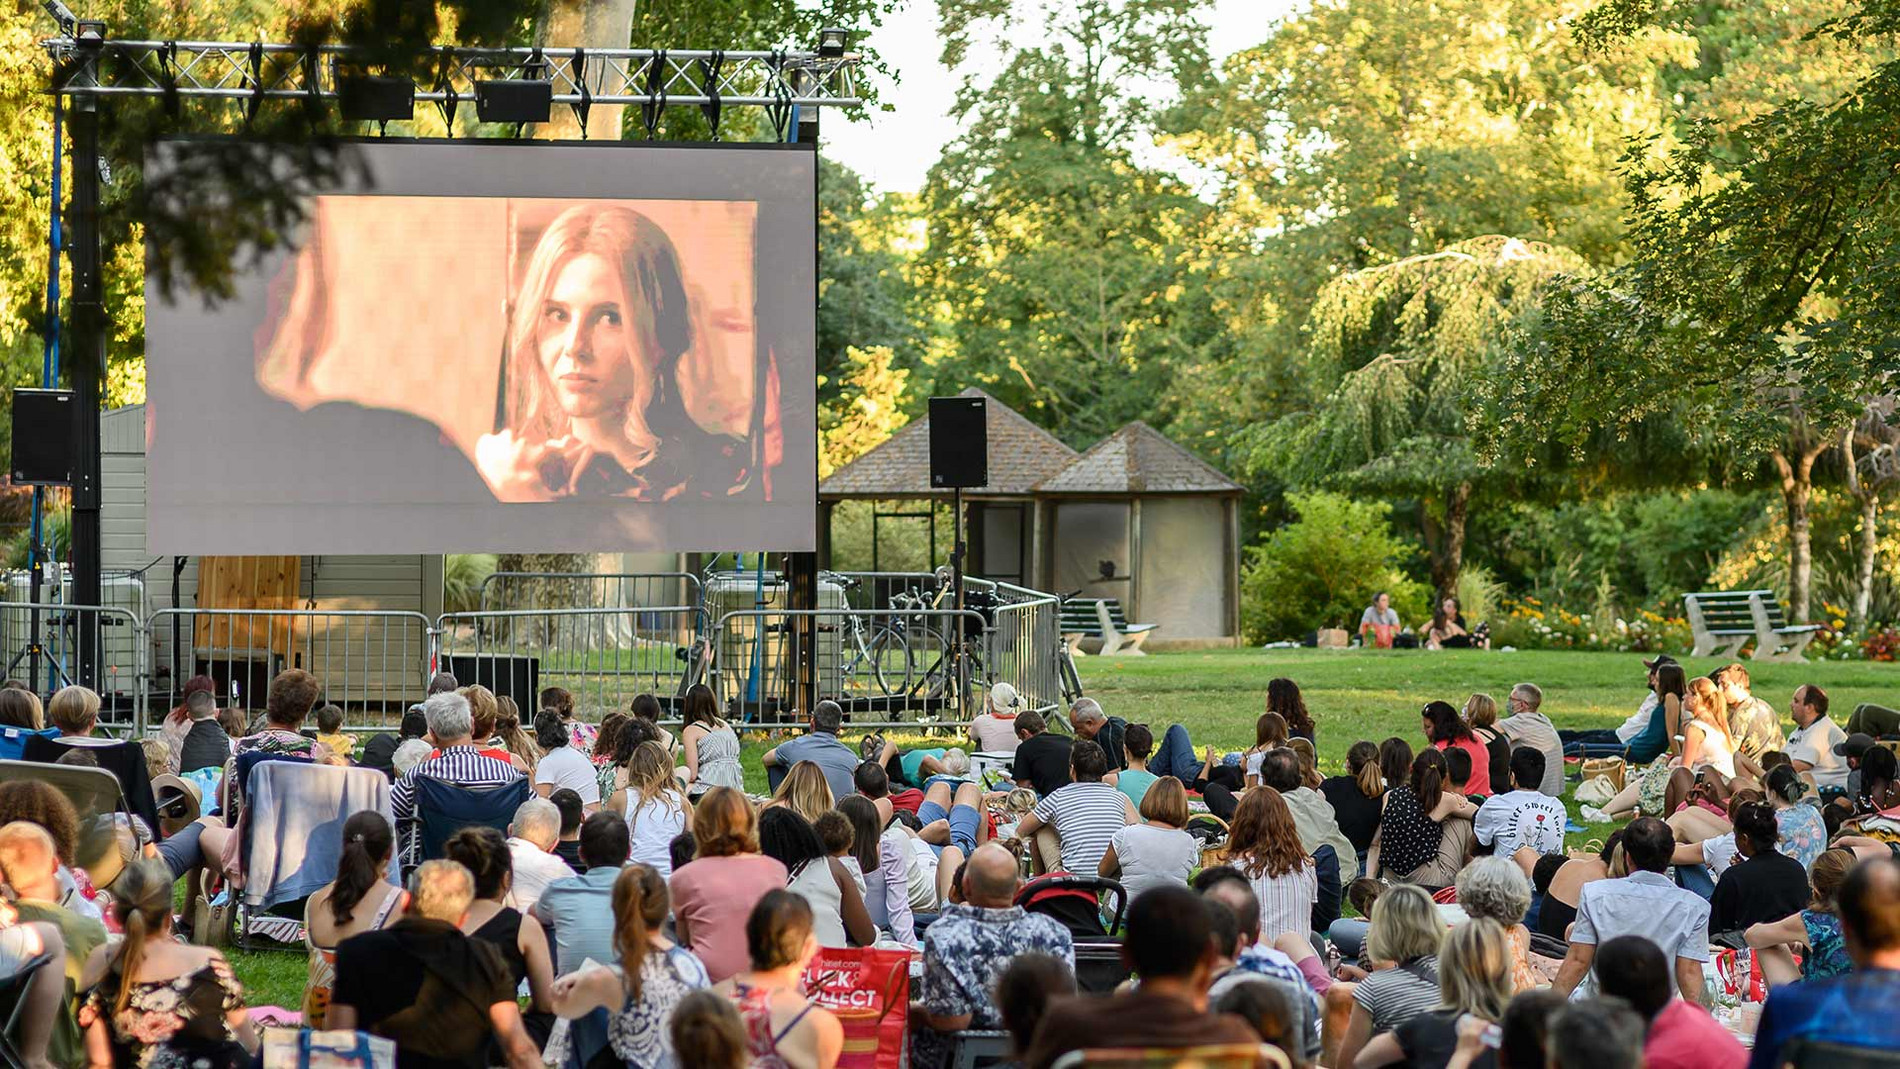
1136	517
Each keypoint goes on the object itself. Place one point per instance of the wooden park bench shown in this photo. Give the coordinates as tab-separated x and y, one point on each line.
1102	618
1724	621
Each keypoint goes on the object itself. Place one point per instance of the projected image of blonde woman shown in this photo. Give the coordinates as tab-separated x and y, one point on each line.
593	404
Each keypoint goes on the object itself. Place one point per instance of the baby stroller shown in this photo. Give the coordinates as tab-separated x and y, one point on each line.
1077	903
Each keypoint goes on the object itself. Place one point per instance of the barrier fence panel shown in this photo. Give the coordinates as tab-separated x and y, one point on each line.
887	667
41	645
603	656
374	664
1025	646
509	591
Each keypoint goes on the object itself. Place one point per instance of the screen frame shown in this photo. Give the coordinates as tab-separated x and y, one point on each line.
772	534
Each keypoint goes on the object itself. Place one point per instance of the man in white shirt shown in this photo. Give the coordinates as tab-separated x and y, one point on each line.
531	838
1525	818
1645	903
1528	727
1811	747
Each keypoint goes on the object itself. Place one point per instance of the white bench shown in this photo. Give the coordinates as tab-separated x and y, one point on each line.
1102	618
1723	621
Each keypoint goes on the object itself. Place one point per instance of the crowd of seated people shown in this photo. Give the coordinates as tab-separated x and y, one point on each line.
641	908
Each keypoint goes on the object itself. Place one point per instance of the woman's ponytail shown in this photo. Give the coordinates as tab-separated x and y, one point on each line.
367	842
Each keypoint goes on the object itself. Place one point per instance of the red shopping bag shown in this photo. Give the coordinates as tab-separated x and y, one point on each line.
1738	974
868	990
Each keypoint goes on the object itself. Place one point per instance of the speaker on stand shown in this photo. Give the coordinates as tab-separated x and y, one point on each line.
959	458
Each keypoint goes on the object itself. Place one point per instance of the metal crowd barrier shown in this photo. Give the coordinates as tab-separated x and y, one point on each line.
41	644
372	663
603	656
1025	640
887	667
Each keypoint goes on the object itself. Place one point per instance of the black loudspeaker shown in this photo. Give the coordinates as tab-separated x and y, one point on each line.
507	675
43	437
959	442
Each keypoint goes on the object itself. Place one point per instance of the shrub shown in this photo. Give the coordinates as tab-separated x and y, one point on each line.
1324	568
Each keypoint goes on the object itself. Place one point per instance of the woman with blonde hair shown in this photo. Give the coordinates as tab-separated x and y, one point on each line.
1481	712
155	999
1402	945
655	807
715	892
1309	762
20	708
804	791
1264	844
1474	977
1355	796
508	727
1817	927
601	325
652	976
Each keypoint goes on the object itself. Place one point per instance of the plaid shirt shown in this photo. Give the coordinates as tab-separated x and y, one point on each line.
461	765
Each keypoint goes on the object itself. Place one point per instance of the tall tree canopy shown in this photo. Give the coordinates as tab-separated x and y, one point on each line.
1395	351
1061	268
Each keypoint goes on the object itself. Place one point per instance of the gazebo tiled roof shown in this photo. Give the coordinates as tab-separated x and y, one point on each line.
1137	460
1021	455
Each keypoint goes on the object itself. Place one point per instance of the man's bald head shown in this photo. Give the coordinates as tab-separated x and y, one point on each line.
1238	896
1869	907
991	877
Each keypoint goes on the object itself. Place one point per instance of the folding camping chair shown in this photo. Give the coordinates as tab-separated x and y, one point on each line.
444	808
288	806
13	998
125	761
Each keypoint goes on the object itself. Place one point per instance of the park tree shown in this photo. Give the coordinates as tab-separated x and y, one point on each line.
1395	352
1759	304
1362	132
1061	269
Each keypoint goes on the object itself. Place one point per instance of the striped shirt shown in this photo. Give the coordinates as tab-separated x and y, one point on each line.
1396	995
1085	816
1286	901
463	765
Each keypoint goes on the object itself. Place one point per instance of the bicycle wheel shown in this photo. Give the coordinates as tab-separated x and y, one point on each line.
933	675
890	660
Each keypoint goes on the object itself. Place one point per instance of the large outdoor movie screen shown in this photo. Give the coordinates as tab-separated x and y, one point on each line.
505	348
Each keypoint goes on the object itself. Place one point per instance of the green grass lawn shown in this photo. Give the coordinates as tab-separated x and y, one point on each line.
1352	695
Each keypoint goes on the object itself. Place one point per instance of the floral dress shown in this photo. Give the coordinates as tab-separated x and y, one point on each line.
1803	834
581	735
171	1024
638	1032
1827	952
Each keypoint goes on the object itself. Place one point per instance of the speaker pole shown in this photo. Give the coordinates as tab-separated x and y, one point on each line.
959	671
88	372
801	569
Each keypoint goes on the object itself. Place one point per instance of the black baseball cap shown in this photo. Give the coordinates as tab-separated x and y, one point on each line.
1855	745
1661	659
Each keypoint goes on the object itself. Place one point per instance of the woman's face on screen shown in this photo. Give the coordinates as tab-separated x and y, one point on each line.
586	347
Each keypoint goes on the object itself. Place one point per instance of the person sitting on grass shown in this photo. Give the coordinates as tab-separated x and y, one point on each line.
330	732
1817	926
1681	1035
31	867
1856	1009
1474	980
440	994
1135	780
1170	944
1076	822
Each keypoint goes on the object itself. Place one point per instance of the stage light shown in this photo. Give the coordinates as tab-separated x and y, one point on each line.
832	41
508	100
367	99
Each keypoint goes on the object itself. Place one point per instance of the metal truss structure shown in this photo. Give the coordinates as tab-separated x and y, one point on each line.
578	77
